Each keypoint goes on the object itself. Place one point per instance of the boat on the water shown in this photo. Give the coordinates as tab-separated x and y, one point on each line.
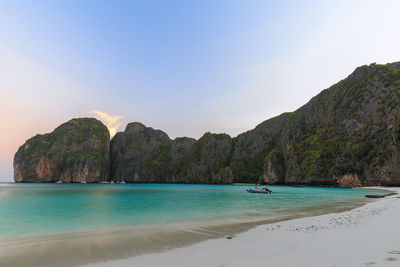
375	196
59	182
83	182
259	191
381	195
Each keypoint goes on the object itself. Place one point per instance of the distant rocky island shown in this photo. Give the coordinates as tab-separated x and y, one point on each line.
351	129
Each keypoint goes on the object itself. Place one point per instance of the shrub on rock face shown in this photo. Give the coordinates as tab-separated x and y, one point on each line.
349	181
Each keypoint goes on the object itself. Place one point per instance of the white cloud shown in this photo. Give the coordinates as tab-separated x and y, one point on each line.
112	122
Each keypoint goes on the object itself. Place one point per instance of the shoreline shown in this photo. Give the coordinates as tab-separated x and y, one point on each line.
222	184
123	243
363	236
107	246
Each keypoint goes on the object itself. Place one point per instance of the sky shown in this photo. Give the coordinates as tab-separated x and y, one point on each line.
186	67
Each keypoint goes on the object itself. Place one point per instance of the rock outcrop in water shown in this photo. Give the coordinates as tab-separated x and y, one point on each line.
76	151
351	128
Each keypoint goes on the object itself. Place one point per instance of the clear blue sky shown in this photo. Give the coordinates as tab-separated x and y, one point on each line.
185	67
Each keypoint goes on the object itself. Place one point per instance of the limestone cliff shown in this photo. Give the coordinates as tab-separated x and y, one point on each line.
350	129
143	154
76	151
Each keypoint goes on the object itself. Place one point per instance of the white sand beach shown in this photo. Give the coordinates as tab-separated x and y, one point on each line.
365	236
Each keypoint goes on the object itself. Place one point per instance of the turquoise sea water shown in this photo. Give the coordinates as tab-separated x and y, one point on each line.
28	210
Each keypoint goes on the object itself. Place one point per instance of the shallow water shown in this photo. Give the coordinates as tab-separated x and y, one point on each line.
37	209
105	221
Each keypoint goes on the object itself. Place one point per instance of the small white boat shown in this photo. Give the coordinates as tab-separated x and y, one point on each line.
83	182
111	182
59	182
123	182
104	182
